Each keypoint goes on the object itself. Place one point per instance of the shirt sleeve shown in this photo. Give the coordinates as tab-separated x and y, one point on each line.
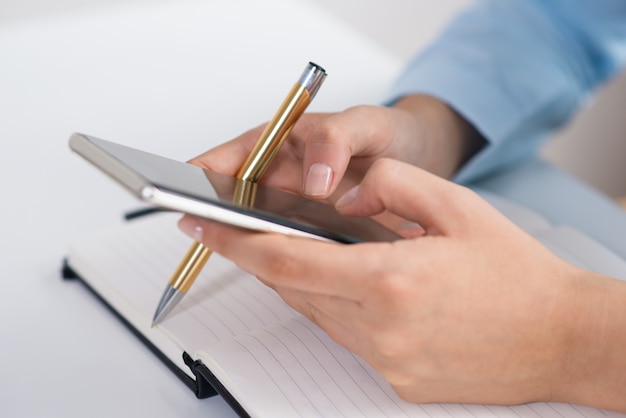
518	69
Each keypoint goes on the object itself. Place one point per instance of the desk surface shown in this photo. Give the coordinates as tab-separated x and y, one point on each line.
174	79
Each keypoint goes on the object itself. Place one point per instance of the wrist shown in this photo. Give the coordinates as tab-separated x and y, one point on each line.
450	140
593	368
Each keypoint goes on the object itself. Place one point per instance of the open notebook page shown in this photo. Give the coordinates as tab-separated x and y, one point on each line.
262	350
130	265
315	377
305	373
566	242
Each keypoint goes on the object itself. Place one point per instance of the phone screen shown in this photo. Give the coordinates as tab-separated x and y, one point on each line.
186	181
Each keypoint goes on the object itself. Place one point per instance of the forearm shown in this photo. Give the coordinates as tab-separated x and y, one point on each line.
594	360
451	140
518	70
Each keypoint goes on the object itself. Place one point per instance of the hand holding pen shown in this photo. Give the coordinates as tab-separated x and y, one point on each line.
264	151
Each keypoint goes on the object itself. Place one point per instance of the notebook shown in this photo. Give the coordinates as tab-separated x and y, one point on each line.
235	337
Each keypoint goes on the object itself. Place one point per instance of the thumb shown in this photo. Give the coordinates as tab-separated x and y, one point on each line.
437	205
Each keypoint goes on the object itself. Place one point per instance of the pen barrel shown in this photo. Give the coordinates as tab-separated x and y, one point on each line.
276	131
190	266
253	168
274	134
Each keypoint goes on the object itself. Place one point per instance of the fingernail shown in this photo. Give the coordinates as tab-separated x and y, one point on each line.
347	198
318	180
191	228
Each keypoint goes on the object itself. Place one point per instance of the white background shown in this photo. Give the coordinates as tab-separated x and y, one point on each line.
593	146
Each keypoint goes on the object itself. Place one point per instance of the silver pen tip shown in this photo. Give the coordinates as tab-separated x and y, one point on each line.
169	300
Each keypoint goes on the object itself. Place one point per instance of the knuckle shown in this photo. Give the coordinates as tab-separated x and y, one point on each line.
390	357
328	131
384	172
413	392
466	206
392	289
389	347
383	165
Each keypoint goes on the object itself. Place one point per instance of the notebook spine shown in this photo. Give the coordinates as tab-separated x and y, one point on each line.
207	381
200	386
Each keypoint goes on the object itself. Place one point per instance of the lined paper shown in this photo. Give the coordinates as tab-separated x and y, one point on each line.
295	369
271	358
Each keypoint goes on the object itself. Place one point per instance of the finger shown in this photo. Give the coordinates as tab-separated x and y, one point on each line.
437	205
329	146
298	263
284	172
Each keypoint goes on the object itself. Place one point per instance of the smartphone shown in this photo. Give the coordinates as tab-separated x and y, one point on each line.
186	188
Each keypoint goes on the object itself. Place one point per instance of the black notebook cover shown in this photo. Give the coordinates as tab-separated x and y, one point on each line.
205	384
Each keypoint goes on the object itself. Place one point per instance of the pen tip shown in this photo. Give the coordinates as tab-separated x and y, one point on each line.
169	300
157	317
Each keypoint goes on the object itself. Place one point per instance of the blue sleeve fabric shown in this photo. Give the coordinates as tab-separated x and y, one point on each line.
518	69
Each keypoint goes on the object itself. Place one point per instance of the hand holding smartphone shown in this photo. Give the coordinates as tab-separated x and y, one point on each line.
183	187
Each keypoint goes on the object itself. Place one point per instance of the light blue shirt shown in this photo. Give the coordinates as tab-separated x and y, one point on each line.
518	69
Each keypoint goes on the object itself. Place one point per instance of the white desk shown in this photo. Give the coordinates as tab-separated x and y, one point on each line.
175	79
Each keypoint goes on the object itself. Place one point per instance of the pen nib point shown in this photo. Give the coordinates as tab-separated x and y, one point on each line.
169	300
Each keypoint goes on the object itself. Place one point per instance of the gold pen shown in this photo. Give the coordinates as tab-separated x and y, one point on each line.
265	149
